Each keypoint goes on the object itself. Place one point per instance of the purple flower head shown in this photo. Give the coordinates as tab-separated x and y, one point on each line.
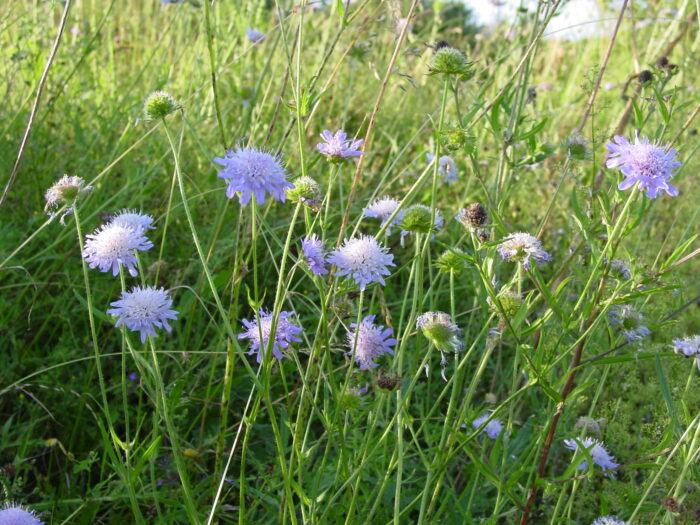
493	428
643	162
363	259
285	333
372	342
382	209
521	247
338	147
596	449
144	309
629	321
447	167
314	253
255	35
253	172
133	219
114	244
18	515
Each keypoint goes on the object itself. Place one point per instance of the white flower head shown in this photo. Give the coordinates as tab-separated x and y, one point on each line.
609	520
522	247
144	309
112	245
133	219
363	259
64	192
13	514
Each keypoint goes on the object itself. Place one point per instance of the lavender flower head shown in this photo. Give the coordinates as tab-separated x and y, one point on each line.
382	209
18	515
446	166
629	321
133	219
645	163
255	35
596	449
285	333
65	191
337	147
493	428
252	172
609	520
114	244
363	259
372	342
522	247
688	346
314	253
143	310
440	330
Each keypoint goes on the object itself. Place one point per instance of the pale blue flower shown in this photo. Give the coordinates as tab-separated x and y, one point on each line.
338	147
522	247
314	253
253	172
372	342
383	209
645	163
609	520
17	515
446	166
689	347
133	219
285	333
596	449
114	244
363	259
493	428
255	35
629	322
144	309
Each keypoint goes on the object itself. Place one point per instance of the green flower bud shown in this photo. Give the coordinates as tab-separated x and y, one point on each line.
450	61
438	328
457	139
418	219
305	189
451	260
510	304
158	105
577	147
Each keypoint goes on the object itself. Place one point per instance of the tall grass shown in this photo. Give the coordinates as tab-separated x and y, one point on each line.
96	427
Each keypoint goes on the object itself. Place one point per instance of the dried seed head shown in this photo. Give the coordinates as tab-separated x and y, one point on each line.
473	216
645	77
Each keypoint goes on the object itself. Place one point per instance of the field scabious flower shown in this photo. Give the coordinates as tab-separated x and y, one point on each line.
363	259
337	147
493	428
643	162
114	244
596	449
383	209
18	515
133	219
252	172
144	309
255	35
609	520
65	191
314	253
285	333
522	247
446	166
688	346
629	322
439	329
372	342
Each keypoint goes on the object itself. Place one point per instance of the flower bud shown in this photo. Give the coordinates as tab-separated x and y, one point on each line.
439	329
419	219
158	105
450	61
451	261
305	189
577	147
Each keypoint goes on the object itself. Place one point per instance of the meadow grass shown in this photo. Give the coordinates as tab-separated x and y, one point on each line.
473	417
